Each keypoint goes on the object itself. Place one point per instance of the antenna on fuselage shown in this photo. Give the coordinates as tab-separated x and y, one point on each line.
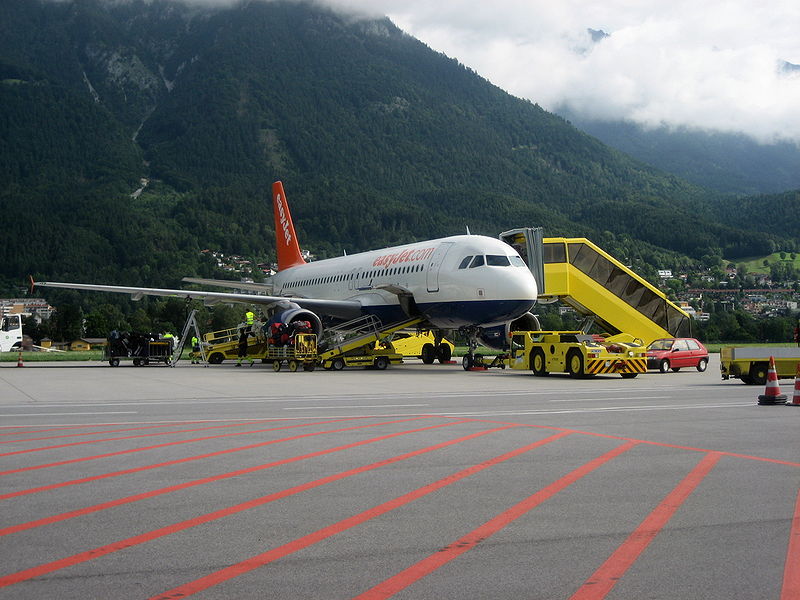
467	226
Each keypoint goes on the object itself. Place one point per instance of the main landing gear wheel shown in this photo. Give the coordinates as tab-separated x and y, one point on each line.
466	362
428	354
444	353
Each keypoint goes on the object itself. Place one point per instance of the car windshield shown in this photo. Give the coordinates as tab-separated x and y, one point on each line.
661	345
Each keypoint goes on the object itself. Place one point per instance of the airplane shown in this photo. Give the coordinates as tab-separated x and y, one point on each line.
470	283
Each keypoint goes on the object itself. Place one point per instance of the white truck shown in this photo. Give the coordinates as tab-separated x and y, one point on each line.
11	333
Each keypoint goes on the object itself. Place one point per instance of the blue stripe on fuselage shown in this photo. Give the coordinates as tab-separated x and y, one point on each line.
457	314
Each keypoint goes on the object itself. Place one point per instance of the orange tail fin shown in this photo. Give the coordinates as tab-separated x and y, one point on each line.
285	237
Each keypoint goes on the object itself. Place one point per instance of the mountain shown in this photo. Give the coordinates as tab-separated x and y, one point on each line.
729	163
134	134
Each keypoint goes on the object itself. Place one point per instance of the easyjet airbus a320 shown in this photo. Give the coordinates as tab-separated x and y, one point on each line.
471	283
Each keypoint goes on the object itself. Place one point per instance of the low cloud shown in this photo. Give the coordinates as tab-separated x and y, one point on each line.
717	65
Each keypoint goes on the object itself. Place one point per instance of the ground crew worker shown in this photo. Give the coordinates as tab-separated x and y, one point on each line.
249	319
243	335
195	353
171	338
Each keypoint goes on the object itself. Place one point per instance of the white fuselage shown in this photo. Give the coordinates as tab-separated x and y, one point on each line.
449	290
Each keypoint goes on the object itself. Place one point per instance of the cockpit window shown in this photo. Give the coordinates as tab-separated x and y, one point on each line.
477	262
465	262
517	261
497	260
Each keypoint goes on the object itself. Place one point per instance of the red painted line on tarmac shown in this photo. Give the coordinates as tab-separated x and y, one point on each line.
130	437
82	557
181	486
166	445
260	560
55	437
178	461
426	566
605	578
651	443
791	570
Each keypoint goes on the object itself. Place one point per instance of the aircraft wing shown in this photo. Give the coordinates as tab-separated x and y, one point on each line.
234	285
343	309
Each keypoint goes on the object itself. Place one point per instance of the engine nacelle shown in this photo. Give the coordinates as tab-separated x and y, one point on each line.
498	337
290	312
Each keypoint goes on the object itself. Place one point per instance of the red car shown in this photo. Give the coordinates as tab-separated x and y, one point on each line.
675	353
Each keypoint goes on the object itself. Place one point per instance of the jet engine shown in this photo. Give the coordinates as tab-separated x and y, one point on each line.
289	312
498	337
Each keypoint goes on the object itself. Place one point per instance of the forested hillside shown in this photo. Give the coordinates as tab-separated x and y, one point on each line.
378	139
727	162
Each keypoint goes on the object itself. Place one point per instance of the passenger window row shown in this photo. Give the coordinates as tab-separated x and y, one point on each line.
351	276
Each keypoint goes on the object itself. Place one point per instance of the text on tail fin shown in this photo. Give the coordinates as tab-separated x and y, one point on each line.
285	237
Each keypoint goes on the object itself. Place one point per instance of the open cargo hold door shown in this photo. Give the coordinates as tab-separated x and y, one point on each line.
527	241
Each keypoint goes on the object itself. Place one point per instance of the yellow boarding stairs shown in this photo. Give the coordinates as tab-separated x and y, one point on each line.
598	286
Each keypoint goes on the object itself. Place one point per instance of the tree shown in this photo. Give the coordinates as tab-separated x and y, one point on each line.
67	323
104	319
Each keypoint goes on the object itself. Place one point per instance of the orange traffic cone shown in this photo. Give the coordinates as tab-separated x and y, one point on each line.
19	359
796	396
772	394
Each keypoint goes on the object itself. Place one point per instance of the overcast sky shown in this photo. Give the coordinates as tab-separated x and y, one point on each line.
712	64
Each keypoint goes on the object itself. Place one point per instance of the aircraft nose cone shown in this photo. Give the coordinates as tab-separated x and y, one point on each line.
525	286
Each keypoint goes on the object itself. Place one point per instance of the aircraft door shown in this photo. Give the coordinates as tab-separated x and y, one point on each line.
353	278
528	242
434	264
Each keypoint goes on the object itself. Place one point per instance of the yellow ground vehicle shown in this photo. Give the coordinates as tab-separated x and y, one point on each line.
422	345
370	356
224	344
576	353
364	344
750	364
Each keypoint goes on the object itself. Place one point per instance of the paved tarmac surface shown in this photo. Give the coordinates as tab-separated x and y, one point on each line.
419	482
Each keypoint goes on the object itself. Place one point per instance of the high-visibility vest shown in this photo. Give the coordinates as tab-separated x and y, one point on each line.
194	341
249	317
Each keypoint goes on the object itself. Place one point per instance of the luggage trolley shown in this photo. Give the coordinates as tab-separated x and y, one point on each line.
302	352
141	348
